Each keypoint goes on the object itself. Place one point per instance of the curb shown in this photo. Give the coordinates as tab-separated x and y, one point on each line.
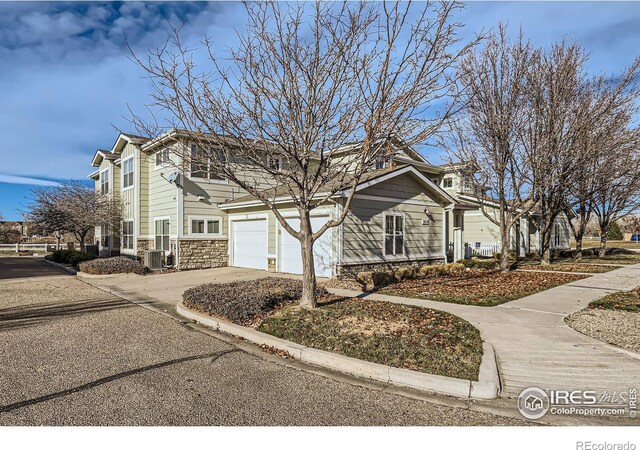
59	266
486	388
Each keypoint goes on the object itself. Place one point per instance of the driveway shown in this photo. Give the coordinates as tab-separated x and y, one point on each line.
16	267
73	354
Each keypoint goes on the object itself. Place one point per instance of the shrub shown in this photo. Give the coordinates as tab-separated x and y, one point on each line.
244	301
375	280
72	257
405	273
475	263
118	264
434	270
512	256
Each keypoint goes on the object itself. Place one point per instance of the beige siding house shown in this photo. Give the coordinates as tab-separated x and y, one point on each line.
405	211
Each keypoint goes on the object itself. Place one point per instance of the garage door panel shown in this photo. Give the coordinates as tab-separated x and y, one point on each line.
250	244
290	253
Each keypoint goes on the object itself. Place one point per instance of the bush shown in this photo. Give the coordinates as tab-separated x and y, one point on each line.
118	264
475	263
614	233
244	301
434	270
405	273
72	257
375	280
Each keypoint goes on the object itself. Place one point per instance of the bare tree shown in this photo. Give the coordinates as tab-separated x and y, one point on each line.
72	207
617	192
557	111
306	82
493	82
8	232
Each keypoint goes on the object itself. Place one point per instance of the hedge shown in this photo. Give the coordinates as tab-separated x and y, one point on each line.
117	264
72	257
244	301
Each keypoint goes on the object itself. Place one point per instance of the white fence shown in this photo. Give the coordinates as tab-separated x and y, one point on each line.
17	248
486	249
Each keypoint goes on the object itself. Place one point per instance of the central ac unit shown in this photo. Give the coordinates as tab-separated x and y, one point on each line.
153	259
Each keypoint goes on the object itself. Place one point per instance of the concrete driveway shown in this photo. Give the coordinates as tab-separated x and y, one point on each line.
72	354
164	290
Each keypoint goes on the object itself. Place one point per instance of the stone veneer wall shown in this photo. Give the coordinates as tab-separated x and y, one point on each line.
351	270
202	253
141	246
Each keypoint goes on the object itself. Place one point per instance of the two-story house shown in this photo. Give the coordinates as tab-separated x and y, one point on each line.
405	211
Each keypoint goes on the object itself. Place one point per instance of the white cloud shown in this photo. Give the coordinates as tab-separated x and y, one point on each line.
12	179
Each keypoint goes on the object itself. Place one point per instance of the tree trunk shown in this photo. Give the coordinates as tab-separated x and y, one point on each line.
545	235
603	245
578	247
504	256
82	237
308	299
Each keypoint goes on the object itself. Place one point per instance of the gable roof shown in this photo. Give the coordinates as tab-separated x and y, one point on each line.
280	194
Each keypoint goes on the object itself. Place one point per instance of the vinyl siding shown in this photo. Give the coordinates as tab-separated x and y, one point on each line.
363	228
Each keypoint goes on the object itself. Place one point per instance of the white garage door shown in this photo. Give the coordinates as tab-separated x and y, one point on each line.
290	256
250	244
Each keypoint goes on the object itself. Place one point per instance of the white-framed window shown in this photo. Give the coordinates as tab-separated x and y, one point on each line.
163	157
106	236
202	166
447	182
382	163
557	238
205	226
127	173
127	234
104	181
162	234
393	234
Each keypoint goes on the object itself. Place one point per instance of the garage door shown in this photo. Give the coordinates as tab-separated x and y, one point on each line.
290	257
250	244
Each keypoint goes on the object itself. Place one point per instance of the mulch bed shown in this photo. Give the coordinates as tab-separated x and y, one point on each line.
480	287
402	336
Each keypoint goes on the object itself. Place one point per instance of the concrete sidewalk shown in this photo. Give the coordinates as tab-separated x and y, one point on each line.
535	347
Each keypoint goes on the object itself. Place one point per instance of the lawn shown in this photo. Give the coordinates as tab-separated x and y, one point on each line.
619	301
612	244
479	287
609	259
401	336
569	266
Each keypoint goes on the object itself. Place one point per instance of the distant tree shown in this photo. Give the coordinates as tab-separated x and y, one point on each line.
72	207
493	82
8	232
614	233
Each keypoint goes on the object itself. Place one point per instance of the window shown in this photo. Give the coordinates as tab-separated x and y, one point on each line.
557	238
127	234
106	236
382	163
127	173
205	225
104	181
162	234
393	234
275	163
447	182
202	166
162	157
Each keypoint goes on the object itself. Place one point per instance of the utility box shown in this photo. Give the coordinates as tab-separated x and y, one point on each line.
153	259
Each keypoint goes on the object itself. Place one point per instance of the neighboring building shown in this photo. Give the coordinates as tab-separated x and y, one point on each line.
405	211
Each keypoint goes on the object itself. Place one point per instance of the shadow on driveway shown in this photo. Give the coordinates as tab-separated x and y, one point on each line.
25	267
34	314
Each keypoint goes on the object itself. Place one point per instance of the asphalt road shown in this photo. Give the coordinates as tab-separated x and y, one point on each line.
71	354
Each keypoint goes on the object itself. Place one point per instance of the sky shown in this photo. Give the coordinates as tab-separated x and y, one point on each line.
67	80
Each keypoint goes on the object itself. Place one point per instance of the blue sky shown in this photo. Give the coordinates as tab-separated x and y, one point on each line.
66	78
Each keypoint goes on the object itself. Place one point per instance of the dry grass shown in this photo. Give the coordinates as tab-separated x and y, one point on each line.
402	336
569	267
480	287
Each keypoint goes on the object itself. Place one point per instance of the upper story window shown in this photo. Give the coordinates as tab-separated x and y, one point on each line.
382	163
104	181
202	166
275	163
163	157
447	182
127	173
